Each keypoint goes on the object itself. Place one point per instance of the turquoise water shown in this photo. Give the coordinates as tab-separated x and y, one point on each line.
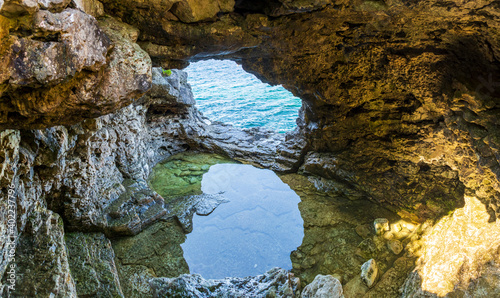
225	92
253	232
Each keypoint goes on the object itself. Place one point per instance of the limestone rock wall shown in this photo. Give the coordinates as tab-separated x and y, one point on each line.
400	96
91	177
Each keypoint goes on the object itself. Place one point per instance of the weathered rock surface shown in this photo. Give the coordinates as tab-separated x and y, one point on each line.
274	283
42	266
459	256
90	7
63	67
331	244
369	272
393	107
92	265
323	286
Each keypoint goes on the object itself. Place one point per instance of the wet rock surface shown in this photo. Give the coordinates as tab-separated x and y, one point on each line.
155	252
323	286
339	237
274	283
400	106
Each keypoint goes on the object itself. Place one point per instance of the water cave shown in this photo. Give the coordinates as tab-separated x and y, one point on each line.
299	148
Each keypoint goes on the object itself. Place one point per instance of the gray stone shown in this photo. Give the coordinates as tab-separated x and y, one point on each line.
323	286
369	272
184	208
395	246
75	29
41	260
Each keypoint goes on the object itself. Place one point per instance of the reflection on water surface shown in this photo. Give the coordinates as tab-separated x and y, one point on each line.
252	233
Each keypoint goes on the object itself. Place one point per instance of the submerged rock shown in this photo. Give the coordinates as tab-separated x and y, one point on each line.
323	286
181	174
155	252
183	208
278	282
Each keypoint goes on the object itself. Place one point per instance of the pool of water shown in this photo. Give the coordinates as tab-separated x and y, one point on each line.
289	221
225	92
255	231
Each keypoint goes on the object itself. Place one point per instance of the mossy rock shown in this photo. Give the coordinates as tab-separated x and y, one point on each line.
181	174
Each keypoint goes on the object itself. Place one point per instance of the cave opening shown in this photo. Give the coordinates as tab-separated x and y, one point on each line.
225	92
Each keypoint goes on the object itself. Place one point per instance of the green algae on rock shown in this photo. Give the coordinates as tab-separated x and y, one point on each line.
155	252
181	174
92	265
41	260
459	256
339	236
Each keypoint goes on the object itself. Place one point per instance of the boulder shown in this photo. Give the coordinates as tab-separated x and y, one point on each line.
323	286
395	246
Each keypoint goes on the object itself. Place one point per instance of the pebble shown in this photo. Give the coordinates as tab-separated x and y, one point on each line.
369	272
395	246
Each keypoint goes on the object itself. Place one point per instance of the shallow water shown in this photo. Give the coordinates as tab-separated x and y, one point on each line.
181	174
225	92
273	221
252	233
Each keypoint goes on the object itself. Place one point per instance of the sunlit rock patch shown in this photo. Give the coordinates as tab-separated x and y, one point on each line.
459	255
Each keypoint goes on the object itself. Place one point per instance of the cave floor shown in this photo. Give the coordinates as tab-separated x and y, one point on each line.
336	234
